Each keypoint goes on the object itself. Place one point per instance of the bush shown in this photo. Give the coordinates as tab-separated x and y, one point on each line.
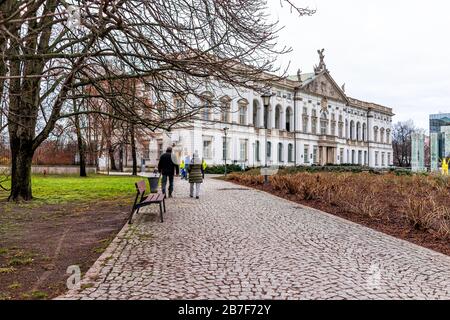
221	169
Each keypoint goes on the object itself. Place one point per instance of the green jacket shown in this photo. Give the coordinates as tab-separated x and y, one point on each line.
195	173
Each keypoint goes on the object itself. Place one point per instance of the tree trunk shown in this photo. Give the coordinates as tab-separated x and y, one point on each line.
133	150
81	149
111	158
21	159
121	158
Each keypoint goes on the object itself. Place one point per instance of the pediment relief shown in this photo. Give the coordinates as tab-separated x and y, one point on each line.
323	85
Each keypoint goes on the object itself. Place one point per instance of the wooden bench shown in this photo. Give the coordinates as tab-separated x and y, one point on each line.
143	200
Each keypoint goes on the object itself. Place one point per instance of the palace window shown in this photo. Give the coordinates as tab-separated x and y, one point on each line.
352	130
364	132
323	124
314	122
278	117
256	114
269	149
243	150
207	149
243	112
290	152
226	108
341	130
226	150
382	135
289	117
315	153
376	158
305	154
358	131
382	159
257	151
280	152
207	105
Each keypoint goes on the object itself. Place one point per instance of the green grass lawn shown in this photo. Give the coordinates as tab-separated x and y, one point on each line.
56	189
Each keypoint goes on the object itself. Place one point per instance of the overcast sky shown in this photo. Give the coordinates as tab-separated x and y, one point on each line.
396	53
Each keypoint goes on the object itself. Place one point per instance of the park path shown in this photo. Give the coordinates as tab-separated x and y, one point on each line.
240	243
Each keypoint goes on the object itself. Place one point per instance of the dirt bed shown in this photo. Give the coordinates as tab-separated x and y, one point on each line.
37	244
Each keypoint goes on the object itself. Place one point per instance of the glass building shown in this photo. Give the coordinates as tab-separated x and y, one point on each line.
440	124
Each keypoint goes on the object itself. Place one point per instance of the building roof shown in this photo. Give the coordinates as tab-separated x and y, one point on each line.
308	78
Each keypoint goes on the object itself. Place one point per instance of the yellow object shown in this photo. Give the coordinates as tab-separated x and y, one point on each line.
204	165
182	164
445	166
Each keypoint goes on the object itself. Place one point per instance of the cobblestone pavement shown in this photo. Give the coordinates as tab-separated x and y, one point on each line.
239	243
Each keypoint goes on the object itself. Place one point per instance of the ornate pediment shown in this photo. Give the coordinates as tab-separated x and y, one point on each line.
325	86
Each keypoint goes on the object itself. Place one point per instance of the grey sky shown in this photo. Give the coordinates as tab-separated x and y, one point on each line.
396	53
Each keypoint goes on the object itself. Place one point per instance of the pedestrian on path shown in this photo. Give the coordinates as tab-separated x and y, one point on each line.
204	165
183	170
187	162
195	175
167	167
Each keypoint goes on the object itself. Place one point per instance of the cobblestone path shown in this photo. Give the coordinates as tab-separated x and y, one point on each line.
239	243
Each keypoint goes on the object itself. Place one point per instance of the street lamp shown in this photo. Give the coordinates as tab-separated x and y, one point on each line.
266	101
225	130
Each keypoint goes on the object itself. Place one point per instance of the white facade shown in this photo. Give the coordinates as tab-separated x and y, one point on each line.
308	122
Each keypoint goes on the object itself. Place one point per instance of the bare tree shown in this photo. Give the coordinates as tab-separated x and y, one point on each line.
52	48
401	142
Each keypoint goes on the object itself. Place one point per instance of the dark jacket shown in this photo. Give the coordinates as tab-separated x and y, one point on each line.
195	173
166	166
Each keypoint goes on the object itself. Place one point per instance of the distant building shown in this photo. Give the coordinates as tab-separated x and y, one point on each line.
440	126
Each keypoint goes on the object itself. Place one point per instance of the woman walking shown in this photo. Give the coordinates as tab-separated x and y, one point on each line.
195	175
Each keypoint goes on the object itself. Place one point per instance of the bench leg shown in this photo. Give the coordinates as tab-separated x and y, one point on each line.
164	206
131	216
160	211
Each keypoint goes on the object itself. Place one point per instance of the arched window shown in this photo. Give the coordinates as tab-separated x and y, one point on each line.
289	120
364	132
290	152
243	111
388	136
346	129
352	130
323	124
207	106
382	135
256	112
333	124
375	134
358	131
280	152
225	106
278	117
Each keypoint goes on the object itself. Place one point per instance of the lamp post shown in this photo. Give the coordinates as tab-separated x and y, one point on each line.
225	130
266	101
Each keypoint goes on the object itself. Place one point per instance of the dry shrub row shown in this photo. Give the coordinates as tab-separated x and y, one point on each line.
424	201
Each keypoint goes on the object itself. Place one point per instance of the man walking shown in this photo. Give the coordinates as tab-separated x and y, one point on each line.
167	168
